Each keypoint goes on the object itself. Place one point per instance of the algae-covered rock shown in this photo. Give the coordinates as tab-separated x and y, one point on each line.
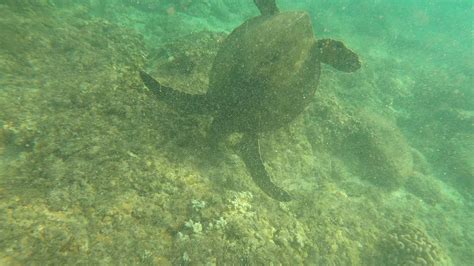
460	160
27	4
426	187
368	145
186	62
382	154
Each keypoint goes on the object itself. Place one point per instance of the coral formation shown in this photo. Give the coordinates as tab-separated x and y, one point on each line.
236	233
410	245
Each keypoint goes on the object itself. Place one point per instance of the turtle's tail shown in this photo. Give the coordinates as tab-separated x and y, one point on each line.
188	103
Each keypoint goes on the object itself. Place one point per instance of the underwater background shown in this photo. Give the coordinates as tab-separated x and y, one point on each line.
94	169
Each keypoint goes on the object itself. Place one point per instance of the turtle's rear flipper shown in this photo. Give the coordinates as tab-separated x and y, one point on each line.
336	54
250	152
189	103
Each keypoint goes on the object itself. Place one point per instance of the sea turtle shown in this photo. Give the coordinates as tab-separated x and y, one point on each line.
263	76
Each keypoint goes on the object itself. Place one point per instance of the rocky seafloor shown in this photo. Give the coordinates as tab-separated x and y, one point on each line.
94	169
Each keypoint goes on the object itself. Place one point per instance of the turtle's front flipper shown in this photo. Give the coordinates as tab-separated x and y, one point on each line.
250	152
189	103
336	54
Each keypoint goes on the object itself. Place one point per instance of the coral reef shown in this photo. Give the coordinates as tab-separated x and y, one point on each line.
236	233
410	245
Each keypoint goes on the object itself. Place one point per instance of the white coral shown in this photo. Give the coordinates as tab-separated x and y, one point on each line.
196	226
